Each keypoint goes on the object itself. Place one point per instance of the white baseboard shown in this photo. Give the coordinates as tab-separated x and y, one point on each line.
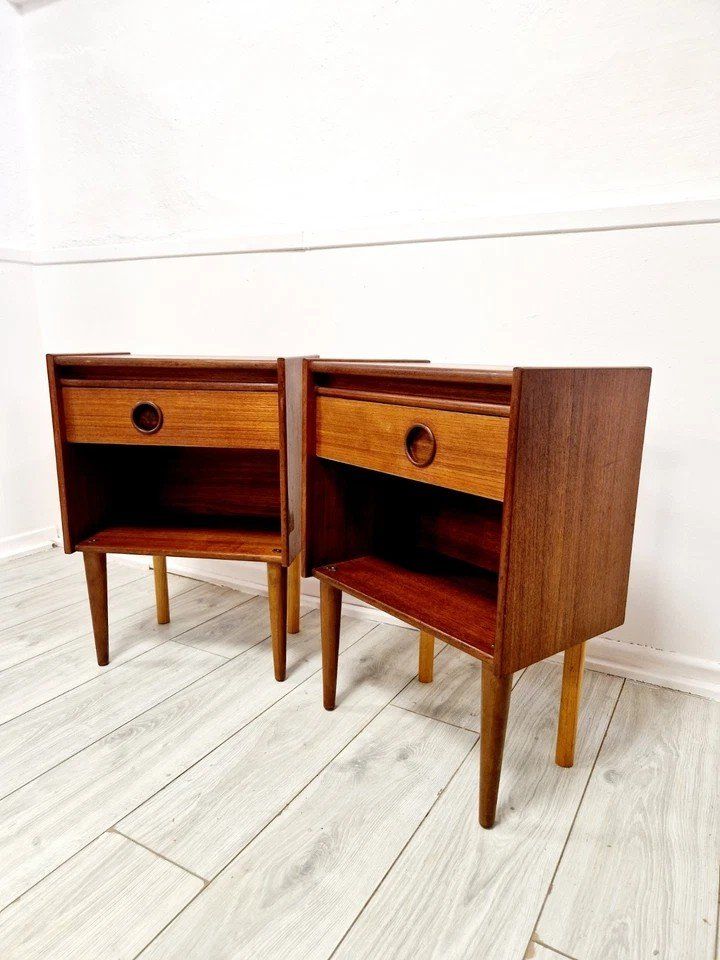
677	671
25	543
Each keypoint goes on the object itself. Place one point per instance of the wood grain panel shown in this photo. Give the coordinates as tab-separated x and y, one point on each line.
297	888
576	446
205	817
471	449
90	907
649	826
191	418
460	892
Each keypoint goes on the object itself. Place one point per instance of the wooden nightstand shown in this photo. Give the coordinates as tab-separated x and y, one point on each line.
183	457
491	508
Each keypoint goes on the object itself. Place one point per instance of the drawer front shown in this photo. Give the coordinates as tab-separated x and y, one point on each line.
183	418
461	451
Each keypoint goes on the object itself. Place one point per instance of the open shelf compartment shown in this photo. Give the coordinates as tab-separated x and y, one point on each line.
455	601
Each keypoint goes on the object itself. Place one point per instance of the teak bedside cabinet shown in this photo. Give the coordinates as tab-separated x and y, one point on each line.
182	457
491	508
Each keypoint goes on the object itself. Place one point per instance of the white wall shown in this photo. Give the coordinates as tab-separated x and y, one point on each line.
163	127
27	498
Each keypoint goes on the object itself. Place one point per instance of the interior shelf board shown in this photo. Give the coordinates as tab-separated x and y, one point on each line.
210	541
456	602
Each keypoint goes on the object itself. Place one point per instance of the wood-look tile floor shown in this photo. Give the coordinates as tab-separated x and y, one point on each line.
180	803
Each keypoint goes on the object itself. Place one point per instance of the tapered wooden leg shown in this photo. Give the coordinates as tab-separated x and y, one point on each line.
293	596
96	576
495	706
573	666
162	599
330	605
277	594
426	657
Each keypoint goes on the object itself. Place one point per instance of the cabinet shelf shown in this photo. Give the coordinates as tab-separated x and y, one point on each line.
221	539
455	601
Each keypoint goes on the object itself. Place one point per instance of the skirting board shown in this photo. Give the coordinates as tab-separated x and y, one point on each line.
25	543
676	671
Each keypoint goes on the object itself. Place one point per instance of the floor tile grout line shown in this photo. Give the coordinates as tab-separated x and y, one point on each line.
566	956
88	633
109	733
235	732
155	853
404	847
374	626
717	923
62	606
428	716
577	811
46	583
142	653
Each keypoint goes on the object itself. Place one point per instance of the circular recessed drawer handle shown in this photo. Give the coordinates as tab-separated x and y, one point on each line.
146	417
420	445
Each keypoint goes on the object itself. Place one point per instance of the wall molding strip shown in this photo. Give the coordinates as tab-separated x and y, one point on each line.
640	217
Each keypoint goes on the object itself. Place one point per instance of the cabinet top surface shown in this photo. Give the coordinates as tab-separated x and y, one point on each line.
133	360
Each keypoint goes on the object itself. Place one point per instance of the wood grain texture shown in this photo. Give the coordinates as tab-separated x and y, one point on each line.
426	656
234	631
369	801
191	418
224	541
290	402
330	607
27	640
162	600
49	734
293	596
106	902
37	569
573	667
76	801
277	602
24	606
67	665
576	440
495	706
454	694
471	449
649	824
537	951
205	817
96	576
458	891
452	601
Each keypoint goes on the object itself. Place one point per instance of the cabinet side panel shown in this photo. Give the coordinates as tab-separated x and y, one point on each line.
290	386
568	538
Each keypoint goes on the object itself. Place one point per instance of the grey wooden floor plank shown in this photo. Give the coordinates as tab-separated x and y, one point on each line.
51	629
44	737
45	598
43	568
454	694
537	951
52	818
108	901
648	827
460	891
205	817
32	682
294	890
231	633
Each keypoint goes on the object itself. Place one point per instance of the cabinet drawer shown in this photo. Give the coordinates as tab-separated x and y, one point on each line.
183	418
461	451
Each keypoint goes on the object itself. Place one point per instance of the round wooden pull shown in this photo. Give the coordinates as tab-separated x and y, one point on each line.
146	417
420	445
